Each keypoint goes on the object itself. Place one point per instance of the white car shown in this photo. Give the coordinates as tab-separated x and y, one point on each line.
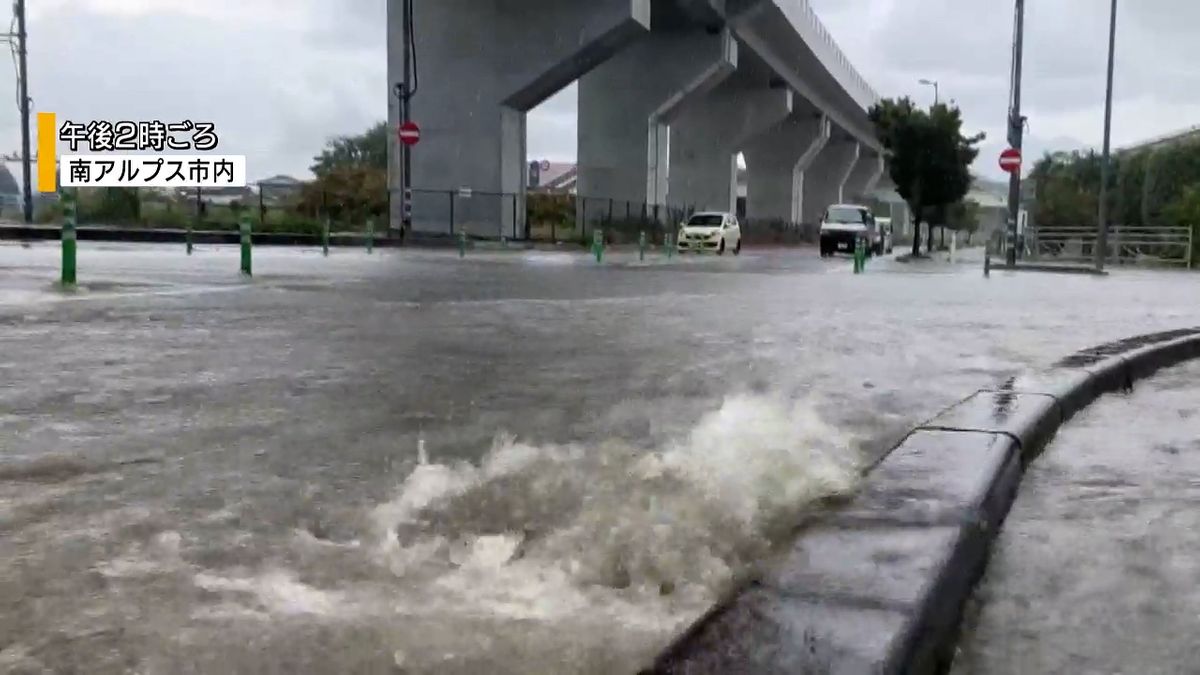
713	231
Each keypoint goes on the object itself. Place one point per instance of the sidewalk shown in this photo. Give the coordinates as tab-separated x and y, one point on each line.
1097	566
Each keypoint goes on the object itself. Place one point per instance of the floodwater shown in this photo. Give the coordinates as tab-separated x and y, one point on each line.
406	462
1097	569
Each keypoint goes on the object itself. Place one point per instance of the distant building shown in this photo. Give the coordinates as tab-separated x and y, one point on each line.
219	196
553	177
279	188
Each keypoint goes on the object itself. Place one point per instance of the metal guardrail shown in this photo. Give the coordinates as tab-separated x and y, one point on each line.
1127	244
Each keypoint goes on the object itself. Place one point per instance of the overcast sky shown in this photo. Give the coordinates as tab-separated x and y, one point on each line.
278	77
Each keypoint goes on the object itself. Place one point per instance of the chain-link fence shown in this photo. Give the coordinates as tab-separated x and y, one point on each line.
294	208
302	207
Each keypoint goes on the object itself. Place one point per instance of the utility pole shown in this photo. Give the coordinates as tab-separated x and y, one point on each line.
1102	225
1016	133
23	74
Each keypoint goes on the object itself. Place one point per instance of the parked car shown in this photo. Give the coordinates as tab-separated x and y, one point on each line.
711	231
844	225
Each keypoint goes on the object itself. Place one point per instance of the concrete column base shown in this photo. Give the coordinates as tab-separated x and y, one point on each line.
775	166
707	136
626	106
865	175
825	180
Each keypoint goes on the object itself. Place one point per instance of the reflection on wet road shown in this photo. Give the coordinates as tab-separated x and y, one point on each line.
202	474
1097	569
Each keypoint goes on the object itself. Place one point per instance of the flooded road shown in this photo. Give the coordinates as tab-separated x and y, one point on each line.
1097	569
408	462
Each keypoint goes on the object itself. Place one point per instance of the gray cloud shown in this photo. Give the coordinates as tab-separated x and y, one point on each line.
277	86
281	76
965	45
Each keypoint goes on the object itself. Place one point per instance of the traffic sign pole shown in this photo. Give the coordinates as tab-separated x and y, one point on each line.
1016	131
407	88
409	134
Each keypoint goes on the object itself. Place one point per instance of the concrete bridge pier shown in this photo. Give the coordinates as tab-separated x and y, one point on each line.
776	163
626	106
504	58
825	181
708	134
865	175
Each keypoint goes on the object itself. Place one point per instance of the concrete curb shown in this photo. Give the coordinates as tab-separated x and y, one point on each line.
878	584
1052	268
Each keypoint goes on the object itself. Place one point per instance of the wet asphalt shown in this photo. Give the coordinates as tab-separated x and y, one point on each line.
190	462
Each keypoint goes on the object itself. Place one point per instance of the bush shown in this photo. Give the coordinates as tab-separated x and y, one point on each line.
282	222
168	218
110	206
348	194
49	213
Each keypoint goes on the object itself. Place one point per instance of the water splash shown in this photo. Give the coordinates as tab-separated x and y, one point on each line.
573	558
686	519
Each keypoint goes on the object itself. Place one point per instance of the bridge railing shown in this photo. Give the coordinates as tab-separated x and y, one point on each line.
801	13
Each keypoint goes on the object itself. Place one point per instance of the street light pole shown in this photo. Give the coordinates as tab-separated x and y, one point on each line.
934	84
1016	133
1102	225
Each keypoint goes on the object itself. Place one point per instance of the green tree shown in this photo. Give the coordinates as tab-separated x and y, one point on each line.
347	194
929	158
1067	188
963	217
366	149
351	182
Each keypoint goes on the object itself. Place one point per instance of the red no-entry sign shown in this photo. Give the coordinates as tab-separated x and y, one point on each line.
1010	160
410	133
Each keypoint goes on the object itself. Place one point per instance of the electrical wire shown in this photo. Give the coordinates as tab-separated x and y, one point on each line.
12	49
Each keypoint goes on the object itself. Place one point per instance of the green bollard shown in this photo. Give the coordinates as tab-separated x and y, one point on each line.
598	244
188	239
987	260
68	238
642	245
325	236
668	241
370	235
244	227
462	244
858	256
